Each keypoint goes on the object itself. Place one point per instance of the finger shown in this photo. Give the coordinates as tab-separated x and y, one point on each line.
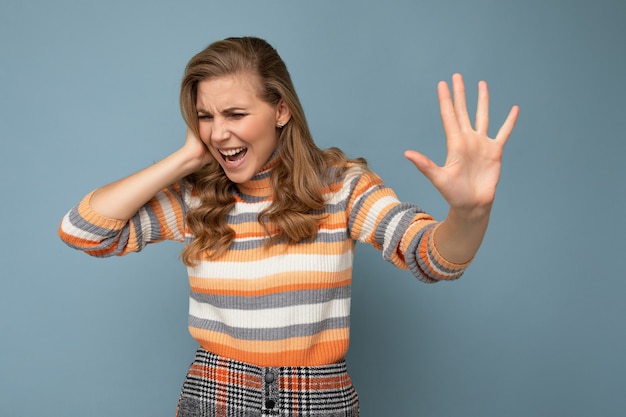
424	164
508	125
460	104
482	109
446	108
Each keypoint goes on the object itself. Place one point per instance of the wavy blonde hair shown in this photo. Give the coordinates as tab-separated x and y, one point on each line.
301	174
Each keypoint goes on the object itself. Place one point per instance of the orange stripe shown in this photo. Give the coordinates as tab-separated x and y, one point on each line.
255	288
326	347
77	241
425	244
264	252
253	229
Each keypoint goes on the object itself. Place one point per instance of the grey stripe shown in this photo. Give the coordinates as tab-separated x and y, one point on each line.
332	237
138	230
242	218
409	211
415	262
269	334
155	227
246	198
254	217
279	300
335	208
109	237
79	222
116	238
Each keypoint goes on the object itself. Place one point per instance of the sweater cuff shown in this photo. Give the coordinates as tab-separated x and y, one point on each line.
426	263
452	266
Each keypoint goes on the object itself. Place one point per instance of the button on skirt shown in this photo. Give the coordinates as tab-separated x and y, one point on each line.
220	387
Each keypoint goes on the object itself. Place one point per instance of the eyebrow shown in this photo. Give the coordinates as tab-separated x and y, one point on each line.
227	110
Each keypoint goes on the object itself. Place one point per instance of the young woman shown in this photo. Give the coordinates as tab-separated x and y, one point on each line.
270	222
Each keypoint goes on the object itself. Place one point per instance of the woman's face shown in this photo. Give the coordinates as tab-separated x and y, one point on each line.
239	129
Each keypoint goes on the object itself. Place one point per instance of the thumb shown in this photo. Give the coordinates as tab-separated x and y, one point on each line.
423	164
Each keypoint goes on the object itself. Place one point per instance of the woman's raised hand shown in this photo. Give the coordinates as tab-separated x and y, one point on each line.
470	175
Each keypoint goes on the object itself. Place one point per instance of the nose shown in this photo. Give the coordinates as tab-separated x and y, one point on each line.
219	130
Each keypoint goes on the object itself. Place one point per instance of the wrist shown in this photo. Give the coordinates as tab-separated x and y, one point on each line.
474	215
189	162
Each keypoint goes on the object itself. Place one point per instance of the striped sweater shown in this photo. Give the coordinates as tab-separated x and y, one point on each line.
279	305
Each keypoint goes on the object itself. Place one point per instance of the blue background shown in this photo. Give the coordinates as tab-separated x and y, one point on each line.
89	93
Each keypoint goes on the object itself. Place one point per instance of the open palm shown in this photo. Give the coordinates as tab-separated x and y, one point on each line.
470	175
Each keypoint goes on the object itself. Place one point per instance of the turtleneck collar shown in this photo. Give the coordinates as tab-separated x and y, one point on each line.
260	185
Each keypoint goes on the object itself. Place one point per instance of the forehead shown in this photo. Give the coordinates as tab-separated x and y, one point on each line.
228	91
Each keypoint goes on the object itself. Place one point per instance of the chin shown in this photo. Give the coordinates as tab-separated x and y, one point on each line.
239	178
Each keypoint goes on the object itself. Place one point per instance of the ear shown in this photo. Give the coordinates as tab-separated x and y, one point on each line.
283	114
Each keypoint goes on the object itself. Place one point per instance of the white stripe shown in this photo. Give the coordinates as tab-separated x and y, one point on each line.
372	215
191	201
439	271
338	197
246	208
343	194
391	229
291	263
72	230
270	318
146	227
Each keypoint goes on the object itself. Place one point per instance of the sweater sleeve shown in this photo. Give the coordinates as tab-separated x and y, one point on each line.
161	218
402	231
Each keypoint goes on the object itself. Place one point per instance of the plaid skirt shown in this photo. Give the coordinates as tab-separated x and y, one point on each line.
220	387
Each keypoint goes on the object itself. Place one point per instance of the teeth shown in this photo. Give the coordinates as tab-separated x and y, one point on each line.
231	152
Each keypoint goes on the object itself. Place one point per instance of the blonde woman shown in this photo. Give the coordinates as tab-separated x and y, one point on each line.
270	221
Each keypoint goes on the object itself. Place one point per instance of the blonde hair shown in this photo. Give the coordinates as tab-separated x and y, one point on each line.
301	174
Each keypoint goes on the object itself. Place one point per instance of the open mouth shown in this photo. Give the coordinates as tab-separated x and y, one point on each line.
232	155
